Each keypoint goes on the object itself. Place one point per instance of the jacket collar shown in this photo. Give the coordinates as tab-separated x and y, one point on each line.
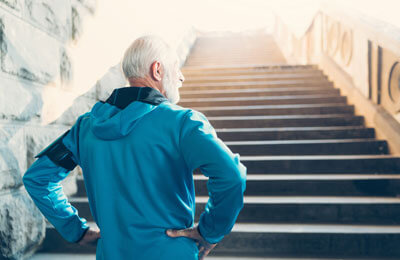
122	97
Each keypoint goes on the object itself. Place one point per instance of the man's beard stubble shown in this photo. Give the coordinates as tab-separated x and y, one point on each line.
171	88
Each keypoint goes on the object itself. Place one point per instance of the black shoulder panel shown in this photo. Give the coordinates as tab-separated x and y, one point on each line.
59	153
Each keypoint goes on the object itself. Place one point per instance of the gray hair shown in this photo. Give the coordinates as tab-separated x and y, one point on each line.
143	52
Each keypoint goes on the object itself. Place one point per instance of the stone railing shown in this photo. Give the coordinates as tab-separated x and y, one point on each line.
360	55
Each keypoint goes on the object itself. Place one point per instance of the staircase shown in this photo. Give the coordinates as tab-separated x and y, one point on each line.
319	185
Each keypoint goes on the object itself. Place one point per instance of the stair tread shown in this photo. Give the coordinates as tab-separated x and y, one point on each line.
74	256
253	90
316	228
281	117
302	228
61	256
310	177
316	141
296	128
316	96
295	200
253	83
249	66
266	77
318	157
226	77
246	107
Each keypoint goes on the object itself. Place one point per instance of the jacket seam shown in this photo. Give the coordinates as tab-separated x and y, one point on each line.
180	137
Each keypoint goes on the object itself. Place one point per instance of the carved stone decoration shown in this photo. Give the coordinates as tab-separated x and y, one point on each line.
346	50
333	38
394	83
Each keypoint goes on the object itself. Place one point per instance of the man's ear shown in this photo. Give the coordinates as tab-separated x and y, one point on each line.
156	71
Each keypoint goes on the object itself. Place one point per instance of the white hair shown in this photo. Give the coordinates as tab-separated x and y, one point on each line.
143	52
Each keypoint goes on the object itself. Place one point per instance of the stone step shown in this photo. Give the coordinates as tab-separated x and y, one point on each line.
311	185
241	72
248	78
61	256
251	92
289	209
270	110
309	147
282	240
258	84
294	133
202	74
270	100
276	68
285	121
321	164
66	256
303	185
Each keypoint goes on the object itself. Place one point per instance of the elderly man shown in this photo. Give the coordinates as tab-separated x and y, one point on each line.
138	151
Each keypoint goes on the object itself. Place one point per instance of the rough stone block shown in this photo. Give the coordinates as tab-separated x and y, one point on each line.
12	138
53	16
12	156
12	5
38	61
81	105
10	179
19	100
114	78
90	5
22	226
78	13
66	71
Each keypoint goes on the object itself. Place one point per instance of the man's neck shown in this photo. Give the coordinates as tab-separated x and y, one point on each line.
145	82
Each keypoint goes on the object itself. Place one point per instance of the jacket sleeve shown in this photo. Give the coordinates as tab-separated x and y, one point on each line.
42	182
201	148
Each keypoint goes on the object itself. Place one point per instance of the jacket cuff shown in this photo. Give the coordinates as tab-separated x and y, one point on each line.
83	234
208	239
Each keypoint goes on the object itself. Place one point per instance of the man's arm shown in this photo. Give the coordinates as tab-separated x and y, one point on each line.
42	182
202	149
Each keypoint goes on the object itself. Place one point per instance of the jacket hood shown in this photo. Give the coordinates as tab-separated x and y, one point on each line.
118	115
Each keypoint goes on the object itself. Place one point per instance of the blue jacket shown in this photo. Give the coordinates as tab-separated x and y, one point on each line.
138	152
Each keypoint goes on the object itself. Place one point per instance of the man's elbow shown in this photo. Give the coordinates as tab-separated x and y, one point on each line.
239	178
243	177
27	180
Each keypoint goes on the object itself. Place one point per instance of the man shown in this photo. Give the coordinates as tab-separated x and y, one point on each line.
138	151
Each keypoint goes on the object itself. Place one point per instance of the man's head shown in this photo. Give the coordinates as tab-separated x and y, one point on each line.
151	62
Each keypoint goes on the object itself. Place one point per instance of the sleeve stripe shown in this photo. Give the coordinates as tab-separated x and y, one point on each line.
59	154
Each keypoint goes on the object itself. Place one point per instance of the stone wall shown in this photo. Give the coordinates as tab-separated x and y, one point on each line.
360	54
34	61
38	103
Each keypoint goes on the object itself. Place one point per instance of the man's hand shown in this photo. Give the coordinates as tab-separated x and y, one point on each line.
90	238
193	233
